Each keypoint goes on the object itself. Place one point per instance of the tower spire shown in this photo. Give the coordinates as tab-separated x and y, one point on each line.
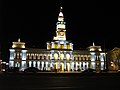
61	17
61	9
61	27
93	44
18	39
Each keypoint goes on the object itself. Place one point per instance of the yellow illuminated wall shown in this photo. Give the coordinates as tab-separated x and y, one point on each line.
49	46
56	46
68	46
62	46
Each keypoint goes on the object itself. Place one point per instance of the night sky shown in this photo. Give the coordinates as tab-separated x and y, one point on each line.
34	21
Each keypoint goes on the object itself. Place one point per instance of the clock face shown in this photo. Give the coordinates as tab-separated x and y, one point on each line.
62	33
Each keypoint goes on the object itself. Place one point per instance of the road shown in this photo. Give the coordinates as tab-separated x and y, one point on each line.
59	81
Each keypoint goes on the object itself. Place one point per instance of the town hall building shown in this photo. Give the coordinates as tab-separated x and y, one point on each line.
58	55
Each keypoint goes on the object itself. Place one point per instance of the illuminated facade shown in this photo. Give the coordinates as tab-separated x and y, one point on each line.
59	54
114	59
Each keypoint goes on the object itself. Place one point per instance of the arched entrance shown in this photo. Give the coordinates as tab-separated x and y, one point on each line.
61	67
55	66
67	66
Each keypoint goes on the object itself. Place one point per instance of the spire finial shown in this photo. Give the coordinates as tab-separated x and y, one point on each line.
93	44
61	8
18	39
61	14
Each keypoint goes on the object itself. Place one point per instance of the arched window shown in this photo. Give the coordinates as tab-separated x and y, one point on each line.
61	56
68	56
44	57
55	56
17	64
40	57
56	45
62	46
48	57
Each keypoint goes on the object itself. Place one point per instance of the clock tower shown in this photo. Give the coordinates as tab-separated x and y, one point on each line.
60	49
60	28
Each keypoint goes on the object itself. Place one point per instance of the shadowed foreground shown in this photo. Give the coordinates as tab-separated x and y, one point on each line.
60	81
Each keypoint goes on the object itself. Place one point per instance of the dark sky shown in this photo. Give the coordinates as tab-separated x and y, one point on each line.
34	21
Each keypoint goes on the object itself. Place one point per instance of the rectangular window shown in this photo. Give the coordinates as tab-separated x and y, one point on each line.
62	46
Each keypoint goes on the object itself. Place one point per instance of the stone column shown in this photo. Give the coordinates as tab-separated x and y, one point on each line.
38	64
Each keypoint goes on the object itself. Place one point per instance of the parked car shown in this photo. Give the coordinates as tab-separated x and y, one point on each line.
31	70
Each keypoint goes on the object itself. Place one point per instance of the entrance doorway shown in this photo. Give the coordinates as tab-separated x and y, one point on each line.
61	67
68	67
